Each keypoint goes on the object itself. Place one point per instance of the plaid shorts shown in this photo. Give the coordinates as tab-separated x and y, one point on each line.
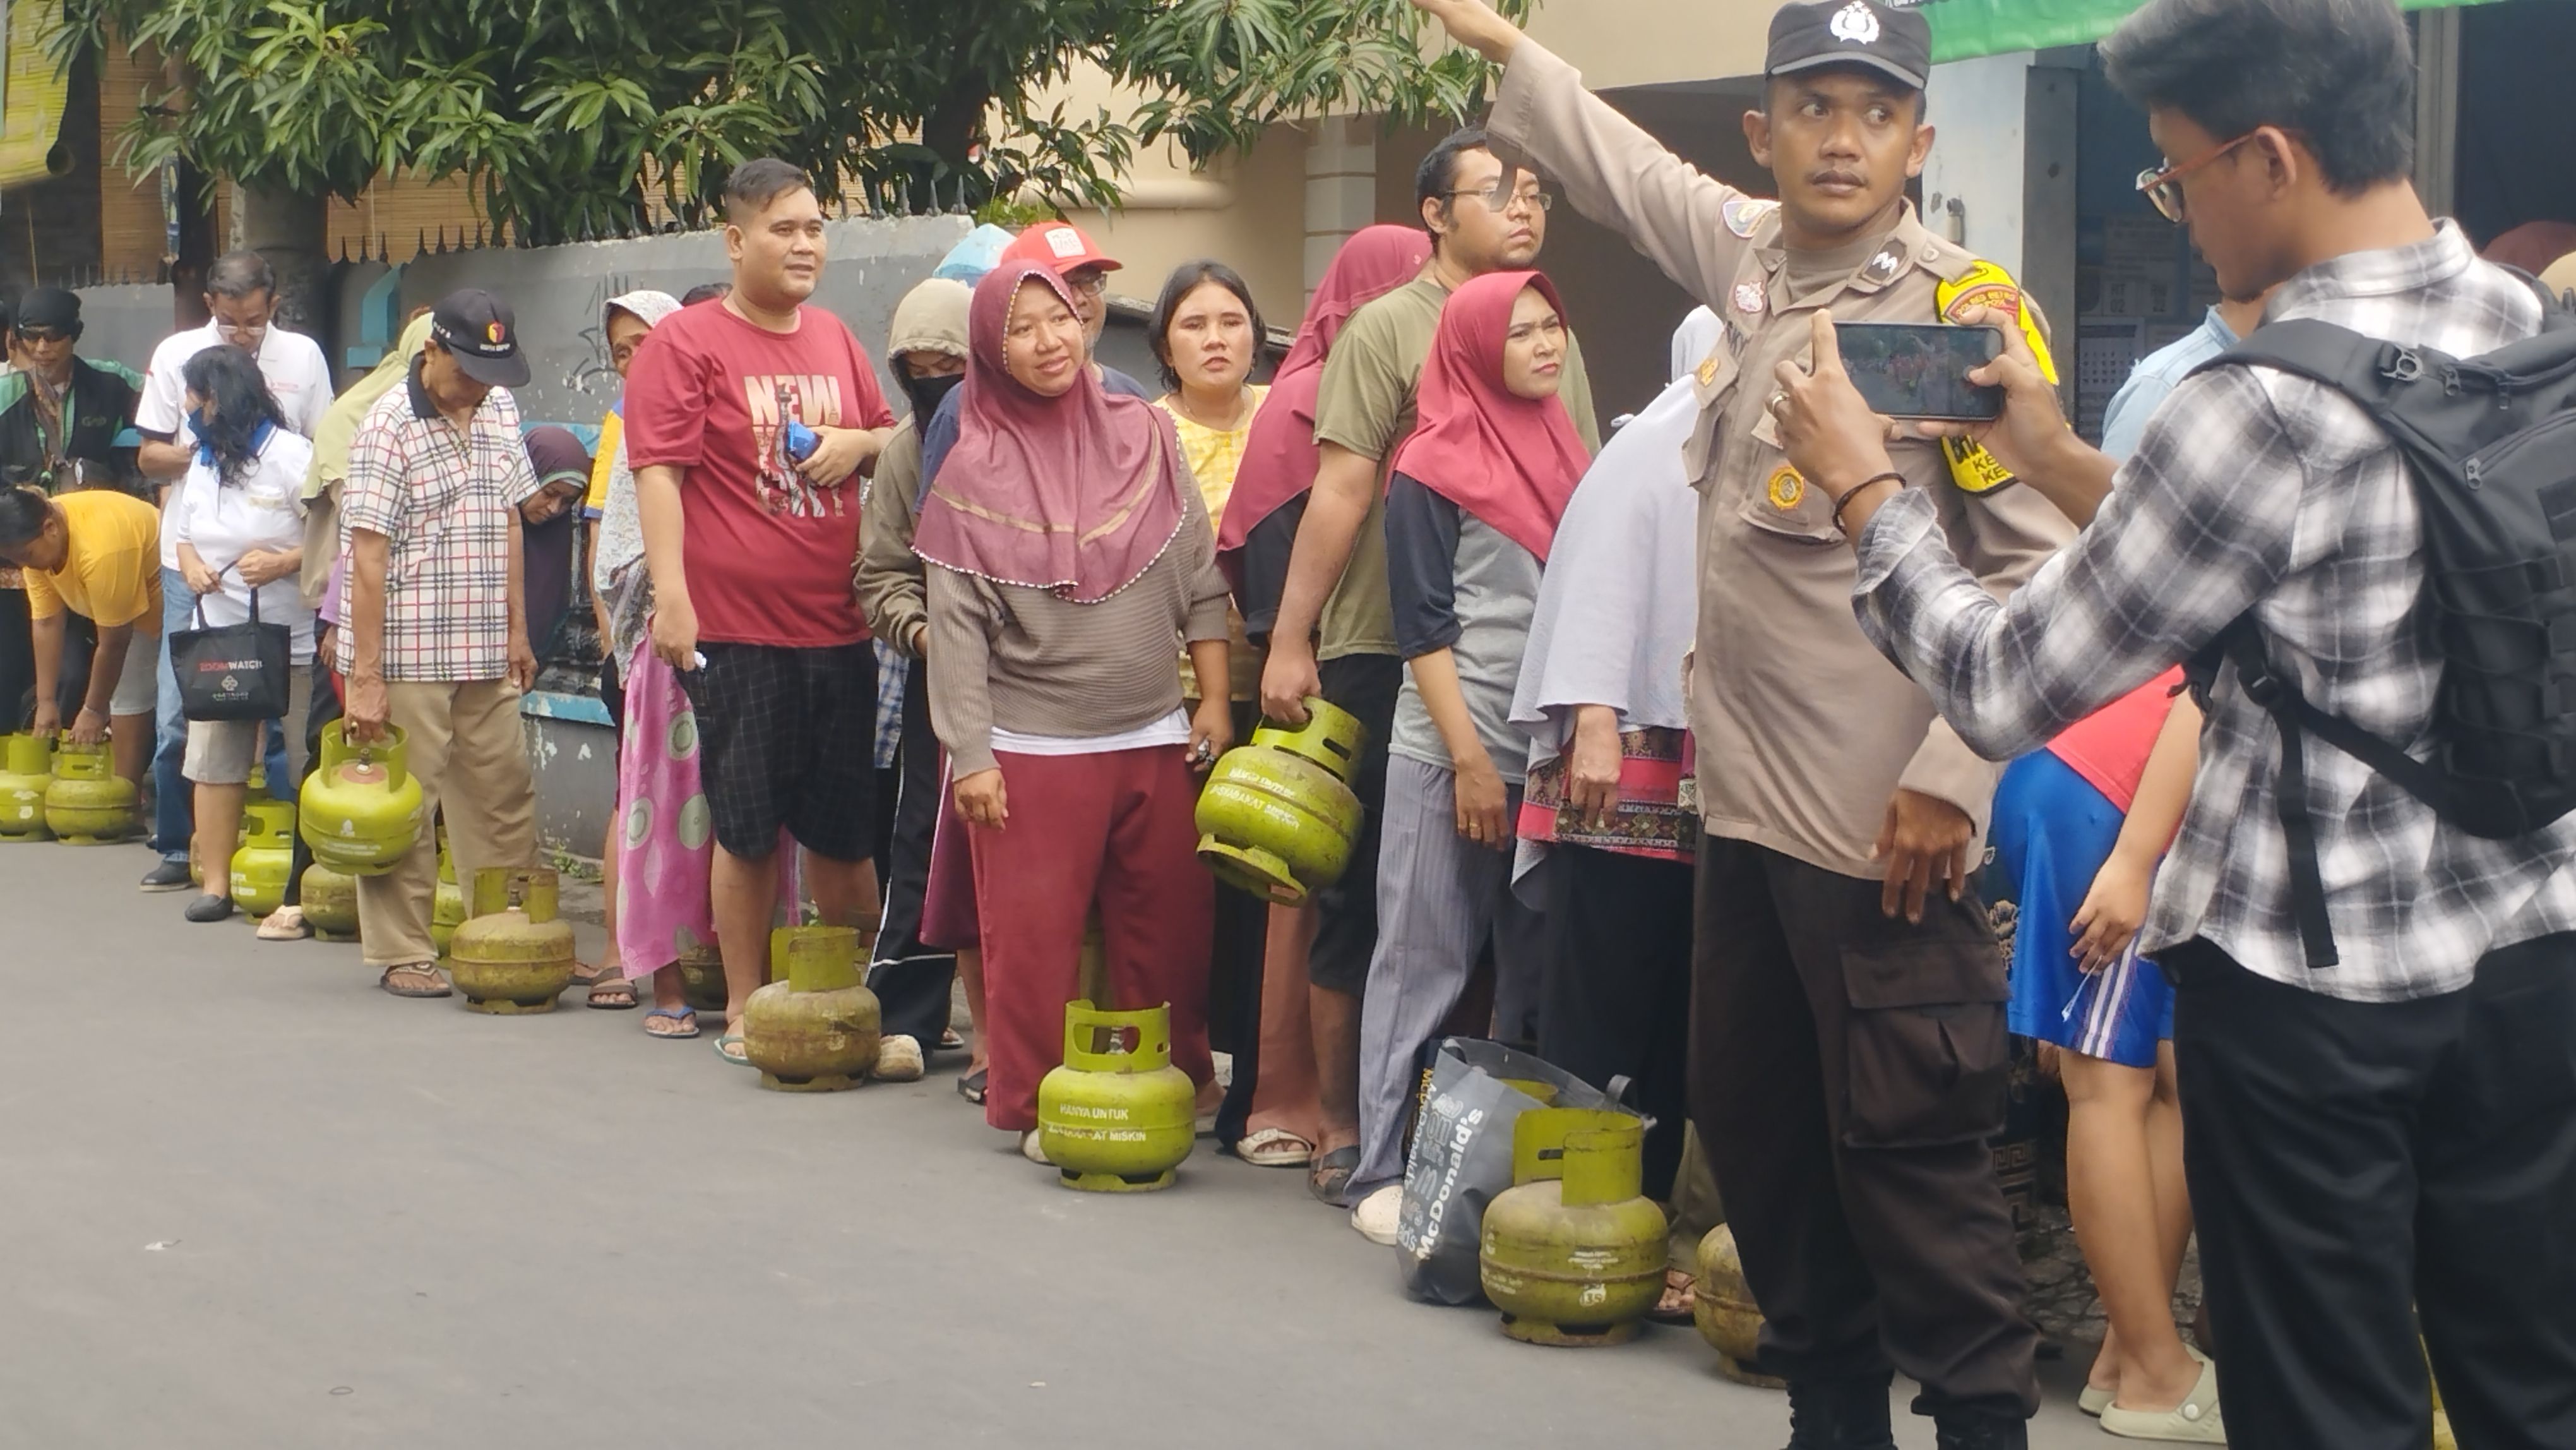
788	739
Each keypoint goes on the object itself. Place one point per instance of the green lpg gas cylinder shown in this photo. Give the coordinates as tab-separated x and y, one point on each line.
1117	1118
446	902
1723	1308
1573	1253
814	1028
266	857
330	903
88	803
512	955
702	978
1278	817
26	771
361	807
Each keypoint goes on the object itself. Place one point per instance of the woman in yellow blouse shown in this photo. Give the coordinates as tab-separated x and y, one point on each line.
1207	335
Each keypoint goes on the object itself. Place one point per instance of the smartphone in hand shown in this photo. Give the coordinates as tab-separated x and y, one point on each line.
1920	370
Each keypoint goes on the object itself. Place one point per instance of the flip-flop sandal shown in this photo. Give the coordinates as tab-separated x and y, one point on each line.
1329	1176
732	1039
610	1004
1661	1315
385	979
971	1086
586	975
287	923
687	1017
950	1040
1275	1148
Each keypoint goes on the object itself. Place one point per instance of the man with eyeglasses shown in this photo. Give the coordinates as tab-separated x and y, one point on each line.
66	422
1849	1053
241	298
1335	637
2378	1067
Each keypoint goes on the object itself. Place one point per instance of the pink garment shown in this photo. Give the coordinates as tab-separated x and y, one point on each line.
668	840
2109	747
948	900
1509	460
1077	494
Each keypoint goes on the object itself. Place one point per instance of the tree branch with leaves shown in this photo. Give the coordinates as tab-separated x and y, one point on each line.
571	115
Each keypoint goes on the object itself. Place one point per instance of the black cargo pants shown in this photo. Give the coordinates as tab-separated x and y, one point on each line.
1847	1070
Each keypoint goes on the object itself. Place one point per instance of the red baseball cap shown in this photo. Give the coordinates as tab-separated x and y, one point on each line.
1060	245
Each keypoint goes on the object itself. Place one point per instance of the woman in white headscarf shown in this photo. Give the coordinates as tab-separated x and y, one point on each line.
627	320
1607	829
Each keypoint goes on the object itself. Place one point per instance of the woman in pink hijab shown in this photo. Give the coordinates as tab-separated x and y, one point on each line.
1073	555
1279	459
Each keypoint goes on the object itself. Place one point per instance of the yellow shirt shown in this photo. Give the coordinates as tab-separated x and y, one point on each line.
603	462
1213	455
112	575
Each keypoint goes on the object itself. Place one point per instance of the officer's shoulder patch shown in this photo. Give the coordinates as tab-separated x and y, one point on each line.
1983	284
1744	215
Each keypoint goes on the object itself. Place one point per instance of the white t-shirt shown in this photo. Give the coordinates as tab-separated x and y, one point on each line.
299	378
262	511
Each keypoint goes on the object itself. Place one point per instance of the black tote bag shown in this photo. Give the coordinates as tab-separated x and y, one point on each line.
233	671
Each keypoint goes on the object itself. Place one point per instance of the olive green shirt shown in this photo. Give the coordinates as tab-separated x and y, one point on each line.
1365	403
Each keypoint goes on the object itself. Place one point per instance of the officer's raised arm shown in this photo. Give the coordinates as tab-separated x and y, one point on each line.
1691	225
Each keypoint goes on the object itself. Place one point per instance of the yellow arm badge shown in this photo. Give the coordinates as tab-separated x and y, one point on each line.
1986	285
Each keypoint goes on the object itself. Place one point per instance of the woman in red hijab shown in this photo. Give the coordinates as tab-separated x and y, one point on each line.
1073	556
1471	508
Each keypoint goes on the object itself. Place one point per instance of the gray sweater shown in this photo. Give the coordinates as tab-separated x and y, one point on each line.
1027	661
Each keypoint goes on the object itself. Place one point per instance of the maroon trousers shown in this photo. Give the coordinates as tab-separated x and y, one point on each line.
1115	830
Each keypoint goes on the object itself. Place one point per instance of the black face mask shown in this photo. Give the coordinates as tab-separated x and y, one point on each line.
926	393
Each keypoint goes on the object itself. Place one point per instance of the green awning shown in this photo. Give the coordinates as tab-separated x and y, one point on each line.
1963	28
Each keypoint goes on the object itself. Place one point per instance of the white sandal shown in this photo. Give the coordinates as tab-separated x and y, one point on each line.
1275	1148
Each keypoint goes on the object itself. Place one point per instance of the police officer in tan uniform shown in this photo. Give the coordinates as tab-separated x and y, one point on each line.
1848	1053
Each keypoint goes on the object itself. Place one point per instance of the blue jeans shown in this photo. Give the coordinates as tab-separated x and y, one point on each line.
174	811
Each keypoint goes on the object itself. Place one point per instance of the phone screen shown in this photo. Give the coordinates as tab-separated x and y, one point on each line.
1920	370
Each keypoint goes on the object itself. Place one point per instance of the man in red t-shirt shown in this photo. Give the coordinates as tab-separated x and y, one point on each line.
748	421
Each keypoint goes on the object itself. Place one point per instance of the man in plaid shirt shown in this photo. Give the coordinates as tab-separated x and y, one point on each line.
2390	1141
436	637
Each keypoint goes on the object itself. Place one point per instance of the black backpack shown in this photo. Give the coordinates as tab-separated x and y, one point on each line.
2491	444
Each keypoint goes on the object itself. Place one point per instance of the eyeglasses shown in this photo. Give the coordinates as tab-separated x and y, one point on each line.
1089	281
1495	198
43	335
241	334
2164	188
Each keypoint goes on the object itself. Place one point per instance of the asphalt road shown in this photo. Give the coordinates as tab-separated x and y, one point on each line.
249	1201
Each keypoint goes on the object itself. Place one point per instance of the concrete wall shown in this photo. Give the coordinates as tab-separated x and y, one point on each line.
559	293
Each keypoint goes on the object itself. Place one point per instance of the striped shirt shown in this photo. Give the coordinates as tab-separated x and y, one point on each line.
2252	489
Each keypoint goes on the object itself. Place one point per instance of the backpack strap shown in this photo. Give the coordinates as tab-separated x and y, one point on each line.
2241	644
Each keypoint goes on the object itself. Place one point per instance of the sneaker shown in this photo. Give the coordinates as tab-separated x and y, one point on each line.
168	876
1376	1216
898	1060
210	908
2195	1421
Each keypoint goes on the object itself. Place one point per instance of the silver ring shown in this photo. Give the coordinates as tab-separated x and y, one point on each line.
1777	399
